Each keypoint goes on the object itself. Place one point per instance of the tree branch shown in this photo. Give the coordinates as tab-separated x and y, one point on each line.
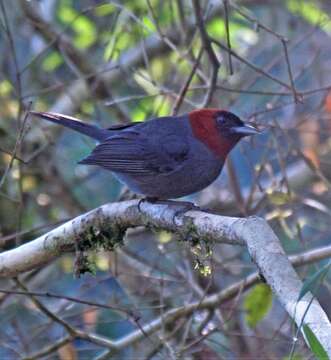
112	220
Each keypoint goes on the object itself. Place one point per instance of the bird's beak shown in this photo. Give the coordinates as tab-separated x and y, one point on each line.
245	130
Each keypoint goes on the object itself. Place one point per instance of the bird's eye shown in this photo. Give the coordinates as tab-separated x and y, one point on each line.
222	120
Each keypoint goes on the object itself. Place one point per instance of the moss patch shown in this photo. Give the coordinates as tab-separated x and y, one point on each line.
106	239
92	240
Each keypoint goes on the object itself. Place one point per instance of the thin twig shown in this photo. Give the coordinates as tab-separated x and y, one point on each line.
289	69
185	87
51	348
17	145
278	36
233	179
227	30
251	65
207	44
204	35
44	309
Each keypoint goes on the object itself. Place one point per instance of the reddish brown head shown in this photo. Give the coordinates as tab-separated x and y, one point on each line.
220	130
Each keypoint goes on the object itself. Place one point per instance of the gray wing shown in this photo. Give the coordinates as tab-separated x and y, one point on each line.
131	152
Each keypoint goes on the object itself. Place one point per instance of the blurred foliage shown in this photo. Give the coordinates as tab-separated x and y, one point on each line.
311	11
52	61
257	304
85	33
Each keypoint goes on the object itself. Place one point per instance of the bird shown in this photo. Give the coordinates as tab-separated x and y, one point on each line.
166	157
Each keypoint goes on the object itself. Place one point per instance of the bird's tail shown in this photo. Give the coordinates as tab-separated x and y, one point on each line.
74	124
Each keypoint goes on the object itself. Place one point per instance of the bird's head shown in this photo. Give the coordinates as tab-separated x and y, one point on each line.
220	130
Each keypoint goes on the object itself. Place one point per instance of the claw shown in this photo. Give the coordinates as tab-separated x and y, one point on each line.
186	206
146	199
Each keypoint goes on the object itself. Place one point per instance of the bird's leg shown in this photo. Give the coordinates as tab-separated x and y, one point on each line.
185	205
151	200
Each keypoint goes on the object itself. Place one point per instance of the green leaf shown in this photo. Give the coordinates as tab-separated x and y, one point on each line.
216	28
5	88
314	281
161	106
149	24
310	11
104	9
86	32
52	61
143	109
314	344
278	197
84	28
237	29
124	40
257	304
66	14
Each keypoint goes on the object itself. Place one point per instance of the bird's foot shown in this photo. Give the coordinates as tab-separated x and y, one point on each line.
151	200
184	206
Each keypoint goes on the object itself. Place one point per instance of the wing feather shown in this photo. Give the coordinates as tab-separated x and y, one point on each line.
132	152
128	152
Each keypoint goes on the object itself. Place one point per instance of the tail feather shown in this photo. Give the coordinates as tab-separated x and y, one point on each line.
74	124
